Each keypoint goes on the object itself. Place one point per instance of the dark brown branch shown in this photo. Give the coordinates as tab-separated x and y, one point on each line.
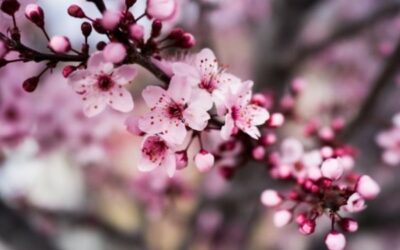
16	232
388	70
349	30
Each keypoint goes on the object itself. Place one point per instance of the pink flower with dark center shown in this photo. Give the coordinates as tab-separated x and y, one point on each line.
156	153
205	73
101	84
241	114
174	109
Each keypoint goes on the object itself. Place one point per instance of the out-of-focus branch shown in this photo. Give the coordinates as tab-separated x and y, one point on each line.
387	72
16	232
348	30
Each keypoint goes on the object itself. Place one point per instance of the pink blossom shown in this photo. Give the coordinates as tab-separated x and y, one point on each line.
307	227
241	114
174	109
367	187
282	218
271	198
100	85
35	14
156	153
276	120
136	31
335	241
161	9
350	225
332	169
204	161
114	52
355	203
258	152
59	44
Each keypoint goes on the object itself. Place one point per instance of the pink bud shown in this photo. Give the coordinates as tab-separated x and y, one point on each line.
268	139
258	153
30	84
298	85
110	19
271	198
132	125
3	49
259	99
114	52
326	134
136	31
287	102
67	70
276	120
349	224
301	218
367	187
187	41
35	14
335	241
181	159
204	160
76	11
307	227
59	44
332	169
161	9
326	152
282	218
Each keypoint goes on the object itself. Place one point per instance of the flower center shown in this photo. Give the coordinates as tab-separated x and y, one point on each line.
104	82
208	83
175	110
154	149
235	113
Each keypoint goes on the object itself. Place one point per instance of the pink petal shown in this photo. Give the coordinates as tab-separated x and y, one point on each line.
146	165
120	99
206	62
179	89
154	95
169	163
174	132
97	63
196	118
80	79
204	161
201	99
258	114
153	122
227	129
124	74
252	131
93	104
184	69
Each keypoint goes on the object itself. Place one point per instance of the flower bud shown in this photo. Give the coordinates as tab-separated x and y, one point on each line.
156	27
282	218
110	19
59	44
187	41
86	29
161	9
332	169
276	120
307	227
114	52
301	218
349	225
181	159
271	198
35	14
204	160
136	32
258	153
298	85
76	11
30	84
176	34
10	6
268	139
367	187
326	134
335	241
355	203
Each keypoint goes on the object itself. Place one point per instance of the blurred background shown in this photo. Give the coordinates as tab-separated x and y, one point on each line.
71	183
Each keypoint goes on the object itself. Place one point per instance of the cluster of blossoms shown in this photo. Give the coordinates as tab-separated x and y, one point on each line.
325	184
199	101
389	140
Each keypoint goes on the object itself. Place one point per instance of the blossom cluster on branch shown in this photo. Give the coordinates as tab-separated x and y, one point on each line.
197	101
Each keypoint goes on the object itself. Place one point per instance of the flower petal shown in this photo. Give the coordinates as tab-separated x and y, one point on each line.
206	62
196	118
179	89
93	104
227	129
120	99
97	63
174	132
169	163
153	122
124	74
154	95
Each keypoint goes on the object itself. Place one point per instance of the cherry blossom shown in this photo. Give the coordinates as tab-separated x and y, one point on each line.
101	84
156	153
241	114
174	109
